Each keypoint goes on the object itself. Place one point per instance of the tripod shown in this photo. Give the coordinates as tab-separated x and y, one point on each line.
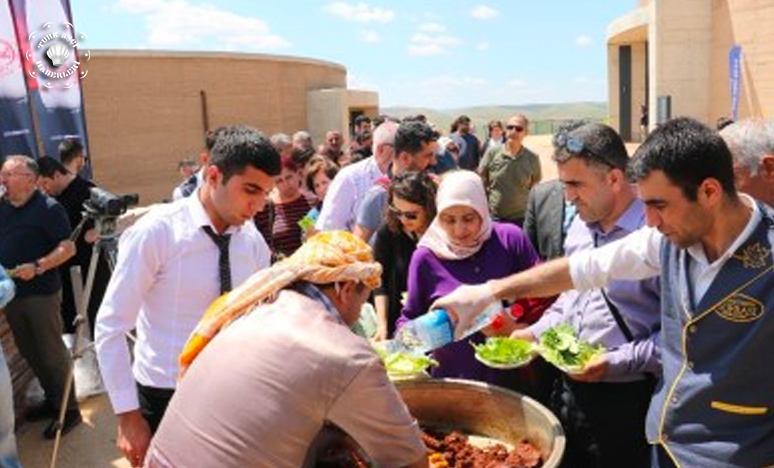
107	245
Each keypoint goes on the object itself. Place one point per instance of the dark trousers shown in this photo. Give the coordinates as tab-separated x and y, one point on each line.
153	404
604	423
37	330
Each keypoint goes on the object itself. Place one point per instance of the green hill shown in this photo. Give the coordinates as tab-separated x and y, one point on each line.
543	117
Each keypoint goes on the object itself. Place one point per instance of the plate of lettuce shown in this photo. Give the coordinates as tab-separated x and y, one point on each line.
502	352
561	347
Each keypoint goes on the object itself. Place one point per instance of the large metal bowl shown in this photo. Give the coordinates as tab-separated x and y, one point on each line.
489	411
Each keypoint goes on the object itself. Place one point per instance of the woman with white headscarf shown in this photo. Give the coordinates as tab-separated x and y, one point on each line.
464	246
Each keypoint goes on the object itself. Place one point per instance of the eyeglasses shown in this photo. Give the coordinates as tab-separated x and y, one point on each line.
518	128
409	215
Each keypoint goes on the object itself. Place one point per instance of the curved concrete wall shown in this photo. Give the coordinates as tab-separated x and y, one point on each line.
145	112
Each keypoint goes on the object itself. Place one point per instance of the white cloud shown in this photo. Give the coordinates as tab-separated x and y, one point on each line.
370	36
361	12
179	24
483	45
516	83
484	12
432	28
425	44
584	40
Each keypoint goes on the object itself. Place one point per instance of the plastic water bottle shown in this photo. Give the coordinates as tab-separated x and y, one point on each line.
435	329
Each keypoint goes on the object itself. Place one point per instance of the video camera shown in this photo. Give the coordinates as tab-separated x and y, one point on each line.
104	203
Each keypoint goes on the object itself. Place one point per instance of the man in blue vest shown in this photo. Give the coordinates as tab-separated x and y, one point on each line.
712	247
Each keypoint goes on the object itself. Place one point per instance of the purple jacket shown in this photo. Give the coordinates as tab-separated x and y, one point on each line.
507	251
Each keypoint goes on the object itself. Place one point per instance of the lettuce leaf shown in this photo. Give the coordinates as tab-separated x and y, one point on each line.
561	347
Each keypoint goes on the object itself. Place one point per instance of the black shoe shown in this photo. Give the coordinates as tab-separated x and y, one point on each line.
40	412
72	418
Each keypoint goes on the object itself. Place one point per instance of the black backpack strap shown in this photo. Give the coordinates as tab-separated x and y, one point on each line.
617	316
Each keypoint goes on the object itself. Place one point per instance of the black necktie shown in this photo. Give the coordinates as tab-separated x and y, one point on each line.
224	265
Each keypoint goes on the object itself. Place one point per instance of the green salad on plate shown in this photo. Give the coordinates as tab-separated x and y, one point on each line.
503	352
561	347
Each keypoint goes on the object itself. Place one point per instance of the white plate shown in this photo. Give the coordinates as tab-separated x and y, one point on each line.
511	365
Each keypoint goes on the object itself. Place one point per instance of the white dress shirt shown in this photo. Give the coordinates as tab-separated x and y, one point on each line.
638	256
345	195
165	277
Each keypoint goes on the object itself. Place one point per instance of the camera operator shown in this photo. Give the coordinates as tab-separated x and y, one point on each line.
71	191
171	265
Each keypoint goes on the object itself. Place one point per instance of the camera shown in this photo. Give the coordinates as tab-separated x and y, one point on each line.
101	202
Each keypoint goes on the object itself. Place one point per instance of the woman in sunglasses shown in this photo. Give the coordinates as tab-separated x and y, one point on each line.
464	246
410	209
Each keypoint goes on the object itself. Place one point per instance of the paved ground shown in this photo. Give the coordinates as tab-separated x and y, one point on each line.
92	444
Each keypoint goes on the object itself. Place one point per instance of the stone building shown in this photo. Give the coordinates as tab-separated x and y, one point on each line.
675	57
147	110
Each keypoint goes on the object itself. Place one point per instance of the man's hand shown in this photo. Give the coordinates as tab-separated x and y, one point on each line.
465	303
134	436
24	272
594	370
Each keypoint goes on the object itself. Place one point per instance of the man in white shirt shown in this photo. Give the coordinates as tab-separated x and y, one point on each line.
171	265
350	185
712	248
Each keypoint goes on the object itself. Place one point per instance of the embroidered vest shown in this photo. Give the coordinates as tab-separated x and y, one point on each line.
715	405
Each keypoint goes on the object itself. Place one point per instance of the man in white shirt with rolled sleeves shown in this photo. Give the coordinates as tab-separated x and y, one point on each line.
350	185
171	265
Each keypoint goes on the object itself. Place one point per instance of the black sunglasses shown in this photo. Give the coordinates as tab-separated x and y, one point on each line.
409	215
518	128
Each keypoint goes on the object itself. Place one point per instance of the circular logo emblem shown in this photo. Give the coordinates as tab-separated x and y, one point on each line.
7	57
57	58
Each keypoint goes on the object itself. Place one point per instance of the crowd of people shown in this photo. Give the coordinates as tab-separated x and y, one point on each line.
242	291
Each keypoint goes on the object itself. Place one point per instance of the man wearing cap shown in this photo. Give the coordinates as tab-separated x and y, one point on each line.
509	172
603	408
260	391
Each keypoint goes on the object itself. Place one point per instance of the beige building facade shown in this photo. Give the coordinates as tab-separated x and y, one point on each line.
673	56
147	110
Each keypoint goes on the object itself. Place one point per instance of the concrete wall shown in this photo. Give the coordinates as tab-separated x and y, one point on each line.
689	43
681	36
748	24
145	111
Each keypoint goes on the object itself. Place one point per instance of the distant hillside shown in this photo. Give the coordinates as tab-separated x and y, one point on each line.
543	117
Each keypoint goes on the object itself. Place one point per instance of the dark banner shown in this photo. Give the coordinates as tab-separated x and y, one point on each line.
17	135
53	69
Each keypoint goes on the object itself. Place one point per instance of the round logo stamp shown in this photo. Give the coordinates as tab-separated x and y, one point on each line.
56	55
7	57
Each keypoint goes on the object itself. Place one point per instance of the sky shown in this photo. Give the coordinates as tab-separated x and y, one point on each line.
434	54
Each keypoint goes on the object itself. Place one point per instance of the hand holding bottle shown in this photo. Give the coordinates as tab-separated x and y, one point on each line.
464	304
